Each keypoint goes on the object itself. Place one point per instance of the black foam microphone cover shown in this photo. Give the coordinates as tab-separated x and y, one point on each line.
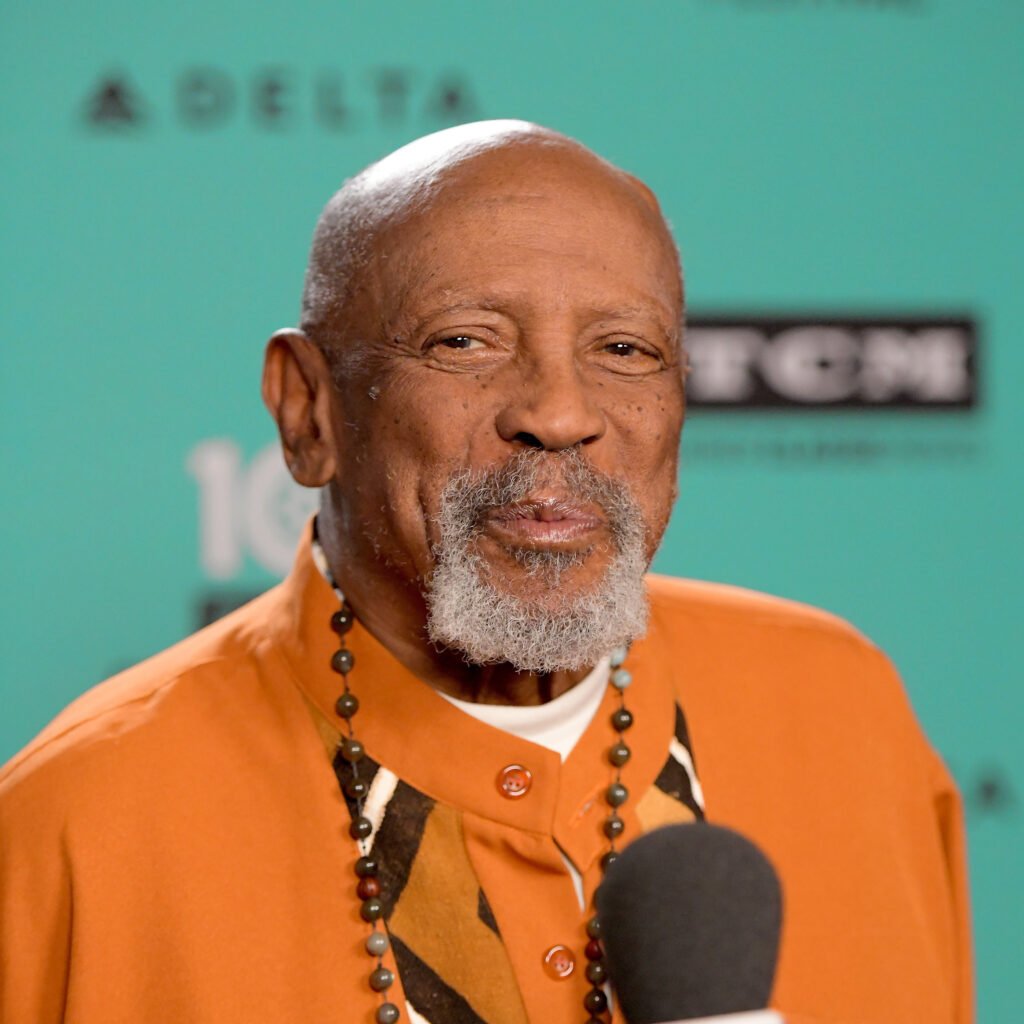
690	920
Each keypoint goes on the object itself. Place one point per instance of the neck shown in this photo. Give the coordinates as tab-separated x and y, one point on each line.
395	614
503	684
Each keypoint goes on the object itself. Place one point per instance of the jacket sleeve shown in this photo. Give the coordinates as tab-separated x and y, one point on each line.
35	906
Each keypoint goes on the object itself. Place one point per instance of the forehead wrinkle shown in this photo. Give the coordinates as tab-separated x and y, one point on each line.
415	279
415	268
513	195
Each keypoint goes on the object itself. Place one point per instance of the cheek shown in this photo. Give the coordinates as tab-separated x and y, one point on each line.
408	443
649	426
649	429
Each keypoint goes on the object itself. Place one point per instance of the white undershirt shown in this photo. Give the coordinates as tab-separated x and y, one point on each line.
558	724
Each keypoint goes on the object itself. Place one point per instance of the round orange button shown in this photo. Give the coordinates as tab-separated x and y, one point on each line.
559	962
514	781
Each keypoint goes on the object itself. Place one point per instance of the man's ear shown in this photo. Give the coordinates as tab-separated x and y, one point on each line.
297	390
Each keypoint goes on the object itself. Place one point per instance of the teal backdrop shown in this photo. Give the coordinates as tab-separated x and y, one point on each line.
163	168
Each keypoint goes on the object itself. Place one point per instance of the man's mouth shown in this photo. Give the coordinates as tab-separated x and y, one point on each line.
545	523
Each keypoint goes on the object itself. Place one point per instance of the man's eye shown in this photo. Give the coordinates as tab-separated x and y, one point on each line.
622	348
461	342
630	357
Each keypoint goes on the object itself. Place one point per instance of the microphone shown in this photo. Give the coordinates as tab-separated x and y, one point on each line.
690	919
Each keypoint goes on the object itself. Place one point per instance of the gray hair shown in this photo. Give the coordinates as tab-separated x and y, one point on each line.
469	612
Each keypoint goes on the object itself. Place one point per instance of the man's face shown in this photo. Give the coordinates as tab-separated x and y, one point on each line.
522	312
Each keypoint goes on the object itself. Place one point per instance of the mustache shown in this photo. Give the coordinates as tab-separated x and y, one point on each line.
476	493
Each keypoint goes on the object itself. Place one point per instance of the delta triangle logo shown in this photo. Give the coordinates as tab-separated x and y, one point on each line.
114	104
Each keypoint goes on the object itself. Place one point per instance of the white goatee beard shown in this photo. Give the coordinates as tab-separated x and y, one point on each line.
491	626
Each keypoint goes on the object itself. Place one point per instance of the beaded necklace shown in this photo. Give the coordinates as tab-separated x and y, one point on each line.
368	887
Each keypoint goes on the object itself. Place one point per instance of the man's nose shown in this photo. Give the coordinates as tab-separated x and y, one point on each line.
554	408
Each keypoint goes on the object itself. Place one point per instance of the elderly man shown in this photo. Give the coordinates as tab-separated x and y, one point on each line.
387	789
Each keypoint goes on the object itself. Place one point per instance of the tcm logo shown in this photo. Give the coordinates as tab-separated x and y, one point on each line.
830	363
251	509
208	98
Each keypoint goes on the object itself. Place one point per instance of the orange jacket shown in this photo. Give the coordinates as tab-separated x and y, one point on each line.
174	847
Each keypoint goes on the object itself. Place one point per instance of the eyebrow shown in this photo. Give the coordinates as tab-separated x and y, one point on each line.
625	312
496	303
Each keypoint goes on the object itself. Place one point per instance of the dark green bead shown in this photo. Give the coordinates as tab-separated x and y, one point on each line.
595	1001
594	928
616	794
372	909
342	621
347	705
608	860
621	720
360	828
357	789
614	826
387	1013
597	973
381	979
366	867
619	754
342	661
352	749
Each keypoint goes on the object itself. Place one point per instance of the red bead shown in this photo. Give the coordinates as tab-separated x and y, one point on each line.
593	950
367	887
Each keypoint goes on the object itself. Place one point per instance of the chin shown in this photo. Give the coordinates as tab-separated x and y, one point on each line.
538	614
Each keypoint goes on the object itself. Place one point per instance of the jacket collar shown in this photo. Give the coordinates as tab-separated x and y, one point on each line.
454	758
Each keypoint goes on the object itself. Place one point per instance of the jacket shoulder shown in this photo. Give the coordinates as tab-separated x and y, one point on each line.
135	708
675	601
731	648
